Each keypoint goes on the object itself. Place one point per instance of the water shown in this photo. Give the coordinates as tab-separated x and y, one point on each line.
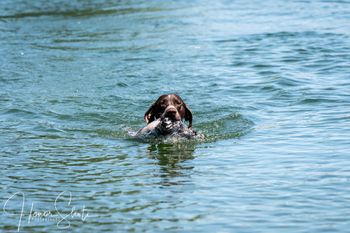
268	83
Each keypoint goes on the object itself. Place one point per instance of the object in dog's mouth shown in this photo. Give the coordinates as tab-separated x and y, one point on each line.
168	126
164	127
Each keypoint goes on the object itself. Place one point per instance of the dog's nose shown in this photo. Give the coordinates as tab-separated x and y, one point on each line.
170	111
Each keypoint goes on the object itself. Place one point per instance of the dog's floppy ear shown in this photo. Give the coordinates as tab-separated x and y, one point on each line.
188	116
150	114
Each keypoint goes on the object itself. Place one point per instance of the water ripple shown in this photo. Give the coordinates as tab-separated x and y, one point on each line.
267	83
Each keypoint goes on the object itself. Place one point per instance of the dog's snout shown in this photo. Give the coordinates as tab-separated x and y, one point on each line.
170	110
172	113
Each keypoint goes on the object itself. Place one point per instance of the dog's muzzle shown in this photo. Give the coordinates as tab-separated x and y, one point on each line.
171	113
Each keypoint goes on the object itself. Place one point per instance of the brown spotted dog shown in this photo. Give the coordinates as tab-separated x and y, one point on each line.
164	117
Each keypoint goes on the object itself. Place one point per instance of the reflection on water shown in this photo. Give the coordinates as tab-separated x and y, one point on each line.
268	85
170	154
170	158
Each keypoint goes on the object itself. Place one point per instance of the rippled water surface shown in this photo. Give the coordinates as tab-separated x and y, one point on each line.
268	83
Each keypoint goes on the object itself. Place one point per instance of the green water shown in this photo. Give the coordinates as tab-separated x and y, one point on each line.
268	83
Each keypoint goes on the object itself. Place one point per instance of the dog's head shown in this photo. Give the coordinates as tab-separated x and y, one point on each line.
170	106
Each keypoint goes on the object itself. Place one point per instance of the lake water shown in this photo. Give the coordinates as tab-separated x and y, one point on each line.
268	83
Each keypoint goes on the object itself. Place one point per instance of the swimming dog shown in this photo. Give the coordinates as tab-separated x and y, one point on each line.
165	118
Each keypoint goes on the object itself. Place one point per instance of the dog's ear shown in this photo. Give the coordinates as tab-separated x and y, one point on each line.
188	116
150	113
